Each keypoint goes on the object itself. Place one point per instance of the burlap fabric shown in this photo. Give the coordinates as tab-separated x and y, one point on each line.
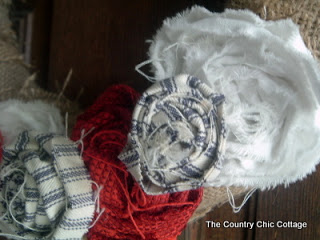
13	71
15	79
305	13
215	197
29	93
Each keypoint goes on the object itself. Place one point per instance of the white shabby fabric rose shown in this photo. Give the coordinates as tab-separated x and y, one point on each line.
269	79
177	136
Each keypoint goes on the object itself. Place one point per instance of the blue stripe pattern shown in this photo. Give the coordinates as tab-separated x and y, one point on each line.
177	136
56	187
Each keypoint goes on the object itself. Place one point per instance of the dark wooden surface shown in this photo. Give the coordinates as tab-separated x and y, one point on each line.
102	41
299	202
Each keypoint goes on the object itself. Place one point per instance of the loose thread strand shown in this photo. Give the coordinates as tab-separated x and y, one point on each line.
235	208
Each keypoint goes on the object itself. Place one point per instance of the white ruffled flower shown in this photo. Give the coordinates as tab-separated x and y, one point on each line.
269	79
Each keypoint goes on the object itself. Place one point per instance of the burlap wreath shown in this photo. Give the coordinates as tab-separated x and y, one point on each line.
14	73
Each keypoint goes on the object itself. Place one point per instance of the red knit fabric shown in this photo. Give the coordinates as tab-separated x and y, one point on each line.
129	212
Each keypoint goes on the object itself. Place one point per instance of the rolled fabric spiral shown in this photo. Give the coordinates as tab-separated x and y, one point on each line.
45	189
177	136
271	86
127	211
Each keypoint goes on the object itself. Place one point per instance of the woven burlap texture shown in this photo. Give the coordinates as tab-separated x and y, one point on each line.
13	71
15	79
30	92
305	13
215	197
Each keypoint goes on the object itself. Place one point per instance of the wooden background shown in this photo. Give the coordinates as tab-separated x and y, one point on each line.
102	41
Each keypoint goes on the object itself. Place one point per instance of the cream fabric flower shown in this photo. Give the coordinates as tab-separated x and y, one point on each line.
270	82
177	138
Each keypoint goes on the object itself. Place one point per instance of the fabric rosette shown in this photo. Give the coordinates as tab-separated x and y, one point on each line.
45	189
177	136
129	213
271	86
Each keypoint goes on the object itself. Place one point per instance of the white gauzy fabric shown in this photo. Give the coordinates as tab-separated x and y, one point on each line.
17	116
177	136
269	79
45	189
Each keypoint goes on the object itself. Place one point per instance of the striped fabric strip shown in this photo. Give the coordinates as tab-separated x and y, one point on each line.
57	198
177	136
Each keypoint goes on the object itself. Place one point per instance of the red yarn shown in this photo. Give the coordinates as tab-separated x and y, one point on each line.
129	212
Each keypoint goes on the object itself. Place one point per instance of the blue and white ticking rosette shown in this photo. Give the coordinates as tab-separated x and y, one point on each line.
177	138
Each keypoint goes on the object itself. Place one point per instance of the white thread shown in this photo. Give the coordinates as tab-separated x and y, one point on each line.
176	44
11	197
97	203
12	201
235	208
98	217
140	65
66	124
265	12
82	136
5	172
97	195
65	84
9	204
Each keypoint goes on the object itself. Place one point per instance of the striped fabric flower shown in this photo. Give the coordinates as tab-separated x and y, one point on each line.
177	137
45	189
